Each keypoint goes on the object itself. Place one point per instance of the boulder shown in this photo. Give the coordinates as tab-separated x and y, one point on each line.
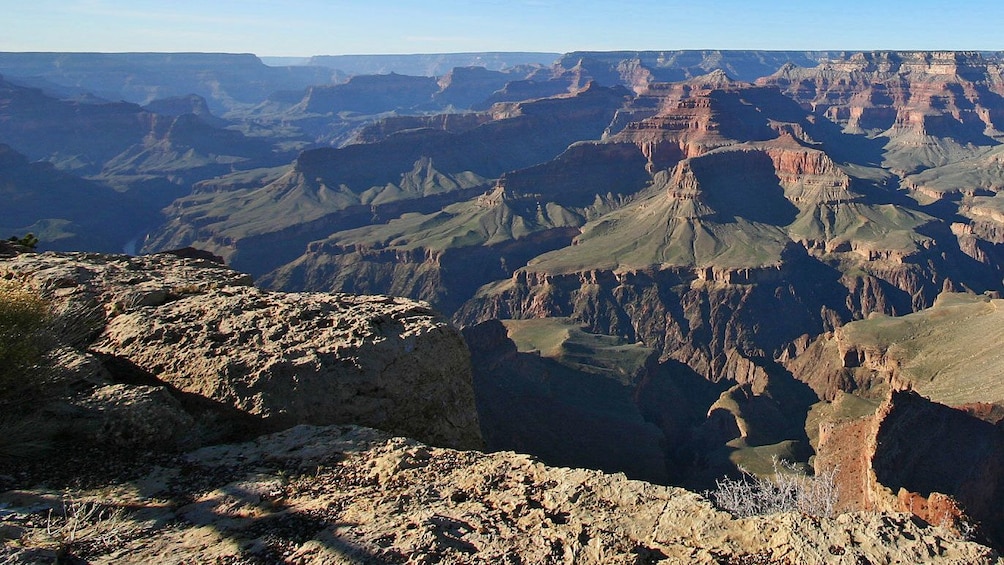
315	358
166	329
130	416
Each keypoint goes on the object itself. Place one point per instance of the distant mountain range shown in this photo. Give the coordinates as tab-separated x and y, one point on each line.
435	64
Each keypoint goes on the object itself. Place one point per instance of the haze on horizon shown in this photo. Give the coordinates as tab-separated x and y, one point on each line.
319	27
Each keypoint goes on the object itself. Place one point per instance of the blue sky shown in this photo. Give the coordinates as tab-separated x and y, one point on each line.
316	27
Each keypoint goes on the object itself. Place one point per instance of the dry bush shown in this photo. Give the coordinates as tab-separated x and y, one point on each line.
86	527
25	338
24	317
786	490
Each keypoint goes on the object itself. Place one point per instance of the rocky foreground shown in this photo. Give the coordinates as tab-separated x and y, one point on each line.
344	494
190	344
187	417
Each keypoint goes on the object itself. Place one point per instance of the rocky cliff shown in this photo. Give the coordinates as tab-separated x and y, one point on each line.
914	455
911	421
933	107
947	353
254	359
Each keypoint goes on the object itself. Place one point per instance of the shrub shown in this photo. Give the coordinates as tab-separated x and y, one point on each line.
24	317
29	240
786	490
79	526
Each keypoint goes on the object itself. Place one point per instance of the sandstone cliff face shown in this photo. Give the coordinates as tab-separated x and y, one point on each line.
354	495
914	455
691	118
929	104
272	359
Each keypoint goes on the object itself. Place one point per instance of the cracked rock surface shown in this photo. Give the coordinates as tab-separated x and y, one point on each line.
345	494
268	359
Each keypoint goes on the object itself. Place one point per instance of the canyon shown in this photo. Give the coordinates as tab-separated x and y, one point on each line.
668	264
176	456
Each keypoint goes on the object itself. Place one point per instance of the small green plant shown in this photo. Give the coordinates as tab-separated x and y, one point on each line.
24	318
29	240
786	490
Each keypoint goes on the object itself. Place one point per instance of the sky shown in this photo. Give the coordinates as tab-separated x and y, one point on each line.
336	27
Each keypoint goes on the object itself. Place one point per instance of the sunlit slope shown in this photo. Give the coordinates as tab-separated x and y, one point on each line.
324	187
565	341
950	353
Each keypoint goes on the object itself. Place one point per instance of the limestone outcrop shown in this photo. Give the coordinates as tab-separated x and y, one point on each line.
344	494
193	330
308	358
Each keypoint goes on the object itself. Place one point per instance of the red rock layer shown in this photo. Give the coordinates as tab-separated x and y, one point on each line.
914	455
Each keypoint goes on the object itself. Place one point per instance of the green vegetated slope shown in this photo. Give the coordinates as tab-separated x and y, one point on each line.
565	341
880	226
459	225
470	243
950	353
441	257
650	233
328	190
971	176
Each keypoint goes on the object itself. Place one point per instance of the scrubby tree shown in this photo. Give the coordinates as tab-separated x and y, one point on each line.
786	490
29	240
